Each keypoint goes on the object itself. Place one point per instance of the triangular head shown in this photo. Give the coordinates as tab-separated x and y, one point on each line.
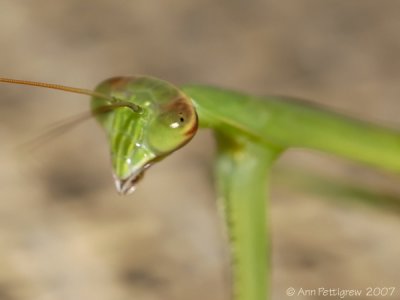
145	119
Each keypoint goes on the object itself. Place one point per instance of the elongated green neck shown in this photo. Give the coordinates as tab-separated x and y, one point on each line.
242	173
287	123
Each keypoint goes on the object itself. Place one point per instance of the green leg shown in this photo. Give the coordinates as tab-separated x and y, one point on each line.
242	174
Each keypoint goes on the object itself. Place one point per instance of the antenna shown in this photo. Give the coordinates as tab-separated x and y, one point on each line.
60	87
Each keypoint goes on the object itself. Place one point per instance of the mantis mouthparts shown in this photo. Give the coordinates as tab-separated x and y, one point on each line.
127	185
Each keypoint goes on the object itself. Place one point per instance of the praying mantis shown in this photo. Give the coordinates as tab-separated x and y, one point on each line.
146	119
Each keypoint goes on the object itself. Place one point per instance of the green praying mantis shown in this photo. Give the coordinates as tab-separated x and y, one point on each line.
146	119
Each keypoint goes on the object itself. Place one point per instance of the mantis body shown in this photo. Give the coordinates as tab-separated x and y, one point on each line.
146	119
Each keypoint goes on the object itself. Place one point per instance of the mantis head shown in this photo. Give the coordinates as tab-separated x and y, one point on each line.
145	119
148	120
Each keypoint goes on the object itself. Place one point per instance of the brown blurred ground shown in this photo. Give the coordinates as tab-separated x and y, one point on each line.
65	234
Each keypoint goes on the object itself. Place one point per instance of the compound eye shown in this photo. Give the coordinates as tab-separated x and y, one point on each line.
172	129
174	119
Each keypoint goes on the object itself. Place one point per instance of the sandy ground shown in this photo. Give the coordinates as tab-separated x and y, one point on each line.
65	234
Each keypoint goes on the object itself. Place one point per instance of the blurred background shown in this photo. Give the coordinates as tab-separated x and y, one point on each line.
66	234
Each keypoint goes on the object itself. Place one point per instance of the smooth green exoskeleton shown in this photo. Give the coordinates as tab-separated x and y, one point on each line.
145	119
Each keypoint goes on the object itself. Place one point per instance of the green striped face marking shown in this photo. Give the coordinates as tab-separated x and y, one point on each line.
161	120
